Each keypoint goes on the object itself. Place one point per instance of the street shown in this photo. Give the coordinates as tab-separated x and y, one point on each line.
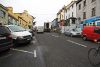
49	50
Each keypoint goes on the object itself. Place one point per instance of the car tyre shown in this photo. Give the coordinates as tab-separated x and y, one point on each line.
84	38
71	35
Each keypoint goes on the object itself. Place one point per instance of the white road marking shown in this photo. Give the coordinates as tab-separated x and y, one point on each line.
34	42
76	43
35	55
55	36
22	51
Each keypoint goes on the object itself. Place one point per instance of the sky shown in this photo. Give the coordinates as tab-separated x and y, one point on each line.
42	10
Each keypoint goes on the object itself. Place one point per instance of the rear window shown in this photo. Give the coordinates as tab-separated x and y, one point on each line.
4	30
97	30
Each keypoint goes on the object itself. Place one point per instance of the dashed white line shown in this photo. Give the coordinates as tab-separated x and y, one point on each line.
22	51
76	43
55	35
35	55
34	40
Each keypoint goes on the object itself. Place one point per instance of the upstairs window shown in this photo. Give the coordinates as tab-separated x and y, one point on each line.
72	14
84	15
84	3
79	6
72	6
93	11
2	14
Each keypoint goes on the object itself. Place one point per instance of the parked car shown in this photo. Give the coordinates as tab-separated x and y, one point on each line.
19	34
31	31
73	32
91	33
5	39
40	29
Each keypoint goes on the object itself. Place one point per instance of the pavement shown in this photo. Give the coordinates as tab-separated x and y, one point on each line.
49	50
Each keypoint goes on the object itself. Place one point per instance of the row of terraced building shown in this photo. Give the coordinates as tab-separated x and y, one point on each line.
8	17
72	15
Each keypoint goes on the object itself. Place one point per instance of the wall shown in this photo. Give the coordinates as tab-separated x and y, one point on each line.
3	17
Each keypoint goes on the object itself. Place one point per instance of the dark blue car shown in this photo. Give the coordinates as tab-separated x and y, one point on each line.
5	39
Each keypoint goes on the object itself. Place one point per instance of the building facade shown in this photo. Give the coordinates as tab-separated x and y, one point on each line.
3	15
61	16
54	23
25	19
12	18
70	14
87	9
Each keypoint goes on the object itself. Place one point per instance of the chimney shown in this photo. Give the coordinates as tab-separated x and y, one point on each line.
10	9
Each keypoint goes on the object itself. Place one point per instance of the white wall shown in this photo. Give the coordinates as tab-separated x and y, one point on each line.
70	10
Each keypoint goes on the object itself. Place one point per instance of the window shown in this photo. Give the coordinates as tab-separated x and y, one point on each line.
72	6
93	11
72	14
84	3
93	23
2	14
66	10
73	21
93	0
97	30
79	6
84	15
66	17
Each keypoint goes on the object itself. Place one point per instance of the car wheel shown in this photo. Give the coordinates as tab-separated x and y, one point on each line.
71	35
29	42
84	38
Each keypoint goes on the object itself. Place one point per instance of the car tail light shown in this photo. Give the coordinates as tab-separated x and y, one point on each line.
95	40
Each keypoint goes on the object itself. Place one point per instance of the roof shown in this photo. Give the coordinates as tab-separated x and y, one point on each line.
3	6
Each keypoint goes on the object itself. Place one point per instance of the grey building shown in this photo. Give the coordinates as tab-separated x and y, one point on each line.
87	9
54	23
3	15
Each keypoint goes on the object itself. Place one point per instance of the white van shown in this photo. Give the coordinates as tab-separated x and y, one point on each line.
40	29
19	34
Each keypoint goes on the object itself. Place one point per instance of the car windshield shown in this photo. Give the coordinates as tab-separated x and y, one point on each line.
16	28
77	29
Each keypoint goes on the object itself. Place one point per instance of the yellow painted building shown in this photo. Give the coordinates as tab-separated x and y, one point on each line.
12	18
61	16
25	19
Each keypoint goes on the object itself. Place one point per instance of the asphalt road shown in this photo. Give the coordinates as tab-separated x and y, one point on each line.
49	50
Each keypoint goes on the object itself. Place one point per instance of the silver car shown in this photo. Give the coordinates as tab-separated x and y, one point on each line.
73	32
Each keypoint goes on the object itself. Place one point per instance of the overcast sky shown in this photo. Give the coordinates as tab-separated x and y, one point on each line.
43	10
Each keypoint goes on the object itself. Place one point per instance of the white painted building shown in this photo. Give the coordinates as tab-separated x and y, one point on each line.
70	16
70	10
